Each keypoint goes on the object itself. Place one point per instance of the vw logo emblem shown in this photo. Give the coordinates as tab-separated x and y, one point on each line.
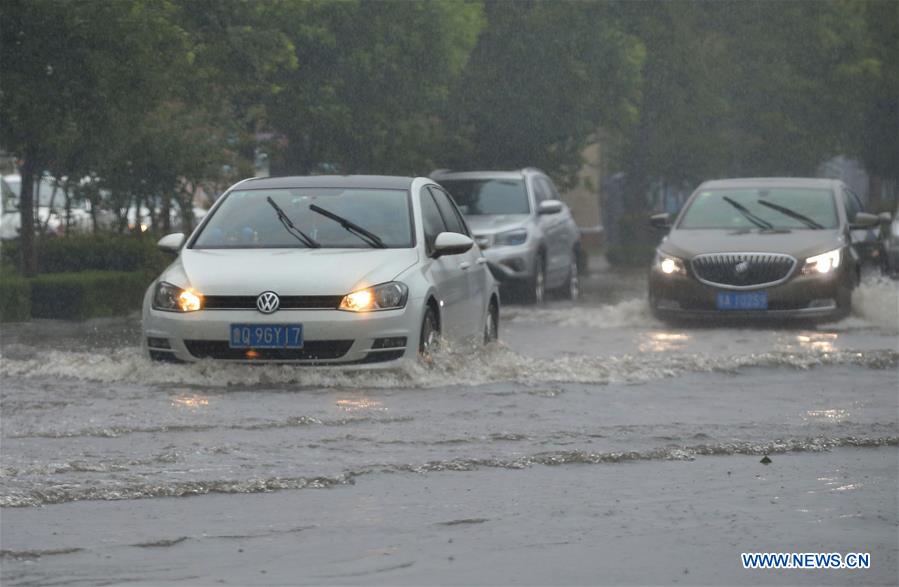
268	302
742	267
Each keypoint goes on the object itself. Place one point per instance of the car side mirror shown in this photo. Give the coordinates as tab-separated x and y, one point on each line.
885	218
549	207
451	243
662	220
865	220
171	243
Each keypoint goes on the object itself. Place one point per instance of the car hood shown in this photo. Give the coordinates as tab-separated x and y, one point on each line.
287	271
494	223
798	243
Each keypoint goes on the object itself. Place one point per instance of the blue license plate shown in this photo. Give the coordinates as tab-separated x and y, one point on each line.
730	300
266	336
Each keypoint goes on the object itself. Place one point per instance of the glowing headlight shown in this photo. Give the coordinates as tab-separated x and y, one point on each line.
387	296
511	237
669	265
823	263
171	298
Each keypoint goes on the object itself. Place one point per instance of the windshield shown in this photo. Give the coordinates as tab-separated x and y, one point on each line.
478	197
774	208
247	220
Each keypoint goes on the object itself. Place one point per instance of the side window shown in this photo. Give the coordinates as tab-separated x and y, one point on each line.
549	188
431	220
451	216
853	206
540	191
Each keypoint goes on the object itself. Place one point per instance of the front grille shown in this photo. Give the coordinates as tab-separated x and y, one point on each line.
758	269
287	302
312	350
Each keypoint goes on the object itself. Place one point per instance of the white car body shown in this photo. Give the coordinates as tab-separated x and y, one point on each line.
459	287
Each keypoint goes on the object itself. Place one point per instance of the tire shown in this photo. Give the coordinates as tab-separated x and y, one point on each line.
429	340
534	289
491	328
571	290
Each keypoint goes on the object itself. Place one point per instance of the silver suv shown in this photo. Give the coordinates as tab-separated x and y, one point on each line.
526	232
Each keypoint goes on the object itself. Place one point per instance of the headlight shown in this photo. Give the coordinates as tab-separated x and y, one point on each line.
171	298
669	265
823	263
387	296
511	237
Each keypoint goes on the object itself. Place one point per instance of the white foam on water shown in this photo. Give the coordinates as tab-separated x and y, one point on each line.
633	312
474	366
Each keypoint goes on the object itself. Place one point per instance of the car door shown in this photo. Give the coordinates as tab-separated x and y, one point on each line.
554	229
472	262
446	273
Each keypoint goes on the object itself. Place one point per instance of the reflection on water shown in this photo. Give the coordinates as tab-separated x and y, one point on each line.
660	342
818	341
833	415
191	401
355	404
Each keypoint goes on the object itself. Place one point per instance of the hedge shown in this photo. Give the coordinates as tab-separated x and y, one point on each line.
91	253
89	294
15	298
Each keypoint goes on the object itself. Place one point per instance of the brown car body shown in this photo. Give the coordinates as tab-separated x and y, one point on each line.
770	261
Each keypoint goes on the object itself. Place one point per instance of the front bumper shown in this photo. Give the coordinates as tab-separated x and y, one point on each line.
331	337
510	263
801	297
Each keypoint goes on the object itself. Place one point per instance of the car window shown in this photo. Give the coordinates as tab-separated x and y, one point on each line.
750	208
246	219
853	204
549	188
451	216
432	221
484	197
541	193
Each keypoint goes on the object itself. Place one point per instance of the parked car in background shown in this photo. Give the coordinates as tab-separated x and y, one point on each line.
50	212
754	248
322	270
891	246
526	232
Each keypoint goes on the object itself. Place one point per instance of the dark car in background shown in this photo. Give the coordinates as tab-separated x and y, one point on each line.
531	242
762	247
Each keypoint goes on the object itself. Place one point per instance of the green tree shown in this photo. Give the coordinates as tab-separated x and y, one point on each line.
543	79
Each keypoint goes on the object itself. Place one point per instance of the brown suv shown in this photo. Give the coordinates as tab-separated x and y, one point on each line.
762	247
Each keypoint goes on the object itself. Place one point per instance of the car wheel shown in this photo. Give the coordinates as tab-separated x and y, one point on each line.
430	335
572	288
535	288
491	328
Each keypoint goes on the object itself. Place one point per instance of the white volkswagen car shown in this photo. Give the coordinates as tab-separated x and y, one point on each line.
321	270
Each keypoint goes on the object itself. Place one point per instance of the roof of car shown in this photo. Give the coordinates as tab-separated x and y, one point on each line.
786	182
450	174
387	182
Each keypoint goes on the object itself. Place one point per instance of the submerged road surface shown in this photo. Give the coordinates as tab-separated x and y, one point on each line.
592	445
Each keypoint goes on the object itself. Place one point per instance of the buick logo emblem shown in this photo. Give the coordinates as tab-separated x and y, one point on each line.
742	267
268	302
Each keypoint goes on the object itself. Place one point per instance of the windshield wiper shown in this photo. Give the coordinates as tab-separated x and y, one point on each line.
369	237
792	214
760	222
291	228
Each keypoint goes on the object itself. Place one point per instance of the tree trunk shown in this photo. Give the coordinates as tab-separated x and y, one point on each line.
26	212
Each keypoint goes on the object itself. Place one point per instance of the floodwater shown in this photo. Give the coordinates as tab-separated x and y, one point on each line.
595	405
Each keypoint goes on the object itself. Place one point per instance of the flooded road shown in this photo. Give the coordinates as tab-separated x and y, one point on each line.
591	445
